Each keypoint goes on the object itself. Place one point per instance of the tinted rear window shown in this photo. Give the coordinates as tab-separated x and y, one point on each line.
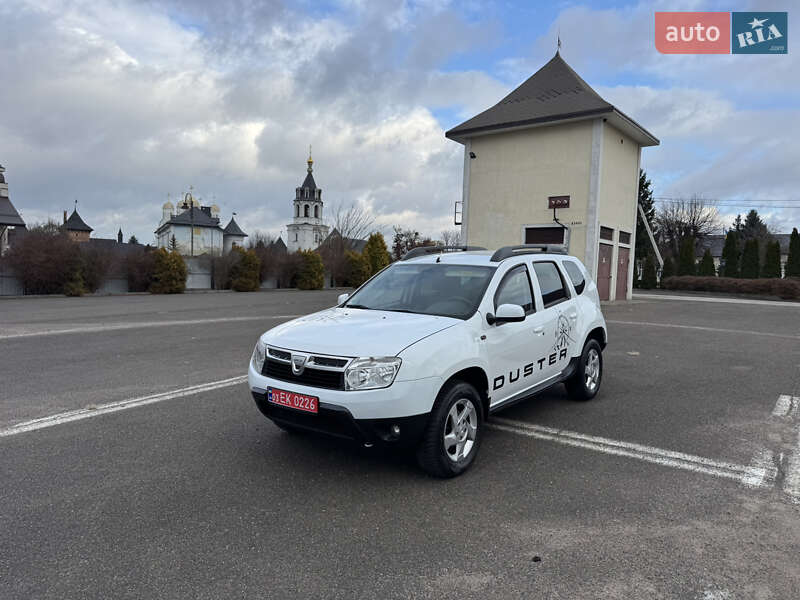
575	275
550	282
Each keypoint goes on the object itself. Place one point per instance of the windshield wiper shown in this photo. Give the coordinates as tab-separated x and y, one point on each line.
405	310
357	306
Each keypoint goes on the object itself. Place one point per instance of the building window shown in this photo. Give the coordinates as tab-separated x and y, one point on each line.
607	233
544	235
624	237
306	192
295	237
296	210
316	212
305	211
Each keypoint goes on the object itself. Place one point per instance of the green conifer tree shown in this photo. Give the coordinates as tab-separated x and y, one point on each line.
772	261
750	259
706	266
730	256
793	260
649	280
686	265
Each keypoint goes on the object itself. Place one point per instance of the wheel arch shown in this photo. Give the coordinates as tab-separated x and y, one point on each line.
476	377
598	334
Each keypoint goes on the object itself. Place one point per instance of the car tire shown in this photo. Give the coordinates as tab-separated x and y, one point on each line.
454	431
585	383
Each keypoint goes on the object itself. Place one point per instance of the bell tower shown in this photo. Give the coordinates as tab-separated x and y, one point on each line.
307	229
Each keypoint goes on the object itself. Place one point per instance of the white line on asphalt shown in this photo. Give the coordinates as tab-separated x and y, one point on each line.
786	406
762	469
95	328
755	476
712	299
103	409
713	329
791	483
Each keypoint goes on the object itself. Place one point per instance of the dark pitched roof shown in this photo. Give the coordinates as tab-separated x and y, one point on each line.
353	244
193	216
75	223
233	229
554	93
9	214
309	182
279	245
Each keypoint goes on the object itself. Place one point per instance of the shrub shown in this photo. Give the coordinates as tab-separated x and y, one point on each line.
44	260
311	274
245	271
750	260
169	273
706	266
649	279
95	265
376	253
788	289
356	269
139	267
772	260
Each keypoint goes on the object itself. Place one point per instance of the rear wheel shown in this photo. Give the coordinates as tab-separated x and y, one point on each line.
585	383
454	431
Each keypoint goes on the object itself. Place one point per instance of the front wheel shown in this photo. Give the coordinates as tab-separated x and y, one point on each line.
454	431
585	383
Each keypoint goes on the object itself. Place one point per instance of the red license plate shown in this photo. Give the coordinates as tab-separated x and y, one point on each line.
293	400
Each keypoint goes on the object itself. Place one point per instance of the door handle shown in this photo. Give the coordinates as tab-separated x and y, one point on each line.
574	317
539	330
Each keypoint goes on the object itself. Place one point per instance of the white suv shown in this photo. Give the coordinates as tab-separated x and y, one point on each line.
422	353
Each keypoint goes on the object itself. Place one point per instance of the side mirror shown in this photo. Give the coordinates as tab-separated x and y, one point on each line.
342	298
506	313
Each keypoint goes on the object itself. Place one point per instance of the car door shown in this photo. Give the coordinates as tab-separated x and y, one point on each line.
513	348
560	316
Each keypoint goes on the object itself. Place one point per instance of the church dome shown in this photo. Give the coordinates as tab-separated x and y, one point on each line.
168	205
214	209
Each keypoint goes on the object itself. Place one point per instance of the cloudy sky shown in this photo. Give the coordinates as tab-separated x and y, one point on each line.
119	103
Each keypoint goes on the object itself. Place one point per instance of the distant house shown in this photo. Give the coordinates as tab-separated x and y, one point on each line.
9	217
715	244
232	236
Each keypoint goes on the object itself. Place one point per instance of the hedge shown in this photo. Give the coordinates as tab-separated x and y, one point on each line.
788	289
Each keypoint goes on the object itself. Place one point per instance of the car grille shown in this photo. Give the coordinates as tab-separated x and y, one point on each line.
332	380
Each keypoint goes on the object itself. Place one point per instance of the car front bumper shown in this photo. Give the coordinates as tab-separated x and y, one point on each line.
366	416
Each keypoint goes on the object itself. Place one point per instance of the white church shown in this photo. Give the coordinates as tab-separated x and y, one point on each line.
307	231
196	229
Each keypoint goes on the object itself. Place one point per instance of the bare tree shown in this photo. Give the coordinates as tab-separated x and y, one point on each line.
260	239
450	237
680	218
352	221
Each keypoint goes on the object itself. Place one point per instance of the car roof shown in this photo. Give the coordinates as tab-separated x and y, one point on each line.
479	258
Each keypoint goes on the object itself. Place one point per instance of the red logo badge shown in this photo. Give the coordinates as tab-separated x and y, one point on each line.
693	32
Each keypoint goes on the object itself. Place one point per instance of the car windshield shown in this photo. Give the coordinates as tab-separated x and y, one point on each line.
430	289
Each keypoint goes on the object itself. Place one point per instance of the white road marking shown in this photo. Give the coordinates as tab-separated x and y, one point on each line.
786	406
754	476
762	469
722	300
712	329
96	328
103	409
791	483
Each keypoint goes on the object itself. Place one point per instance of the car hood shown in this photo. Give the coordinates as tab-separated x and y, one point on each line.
356	332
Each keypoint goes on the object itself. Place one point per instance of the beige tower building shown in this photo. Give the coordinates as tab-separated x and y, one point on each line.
554	142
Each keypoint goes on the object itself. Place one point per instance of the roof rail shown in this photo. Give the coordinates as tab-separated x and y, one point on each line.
423	250
509	251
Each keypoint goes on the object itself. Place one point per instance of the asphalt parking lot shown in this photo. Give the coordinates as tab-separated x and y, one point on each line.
135	465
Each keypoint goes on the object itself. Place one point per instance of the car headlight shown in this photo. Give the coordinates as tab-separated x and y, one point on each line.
259	355
371	373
